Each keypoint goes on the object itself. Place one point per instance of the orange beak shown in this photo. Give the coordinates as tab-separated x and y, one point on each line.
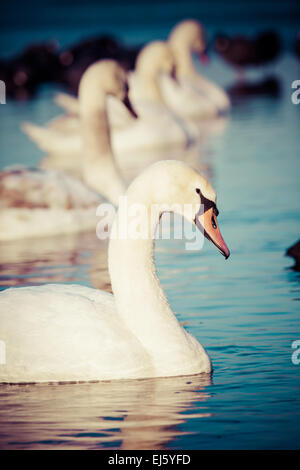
208	222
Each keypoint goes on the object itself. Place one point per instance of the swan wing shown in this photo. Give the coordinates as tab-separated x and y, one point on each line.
65	123
69	103
51	140
38	188
211	90
186	102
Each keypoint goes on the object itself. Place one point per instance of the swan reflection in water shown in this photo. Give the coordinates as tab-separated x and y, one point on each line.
63	258
128	414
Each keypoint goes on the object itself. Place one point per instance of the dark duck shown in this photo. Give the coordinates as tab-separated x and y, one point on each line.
294	252
77	58
23	74
297	46
241	51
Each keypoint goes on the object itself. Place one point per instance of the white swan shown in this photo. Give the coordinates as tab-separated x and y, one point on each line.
159	127
72	333
44	202
194	96
156	127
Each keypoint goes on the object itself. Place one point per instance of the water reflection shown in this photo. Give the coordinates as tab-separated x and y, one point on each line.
294	252
245	89
132	414
63	258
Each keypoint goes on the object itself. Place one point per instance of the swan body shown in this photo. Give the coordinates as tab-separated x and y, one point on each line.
45	202
185	101
75	336
74	333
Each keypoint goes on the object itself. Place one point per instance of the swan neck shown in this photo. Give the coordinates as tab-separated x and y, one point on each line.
150	87
140	299
96	131
99	167
184	61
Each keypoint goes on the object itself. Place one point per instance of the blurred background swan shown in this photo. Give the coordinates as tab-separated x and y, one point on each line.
155	128
43	202
190	96
194	96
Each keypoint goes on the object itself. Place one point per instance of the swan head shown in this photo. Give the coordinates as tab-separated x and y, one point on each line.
105	77
173	184
188	34
155	58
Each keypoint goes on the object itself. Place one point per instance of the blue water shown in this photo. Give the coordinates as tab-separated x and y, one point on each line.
245	310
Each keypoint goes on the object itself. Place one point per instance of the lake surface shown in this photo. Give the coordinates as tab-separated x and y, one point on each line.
245	311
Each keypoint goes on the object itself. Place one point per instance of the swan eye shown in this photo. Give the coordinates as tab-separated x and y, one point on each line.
197	190
213	222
